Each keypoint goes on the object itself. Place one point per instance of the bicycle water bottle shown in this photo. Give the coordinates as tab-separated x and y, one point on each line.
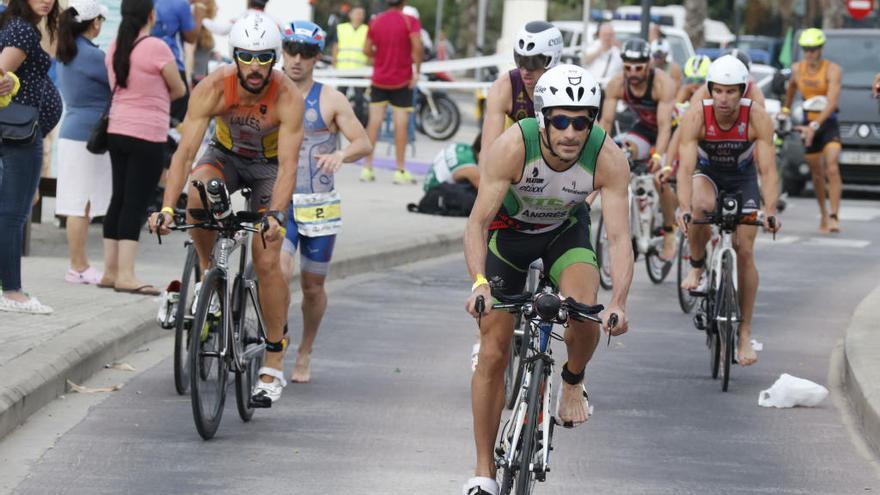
219	197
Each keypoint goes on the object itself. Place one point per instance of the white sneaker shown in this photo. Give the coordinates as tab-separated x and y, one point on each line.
32	306
215	303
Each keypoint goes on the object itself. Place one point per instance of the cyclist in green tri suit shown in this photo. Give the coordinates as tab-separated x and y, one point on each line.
533	183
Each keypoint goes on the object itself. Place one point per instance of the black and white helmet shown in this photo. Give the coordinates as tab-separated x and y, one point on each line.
539	38
566	85
635	50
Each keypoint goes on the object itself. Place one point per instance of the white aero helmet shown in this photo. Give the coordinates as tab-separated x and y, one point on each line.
539	38
411	11
729	71
566	85
255	32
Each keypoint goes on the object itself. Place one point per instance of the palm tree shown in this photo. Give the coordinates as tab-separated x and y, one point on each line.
697	11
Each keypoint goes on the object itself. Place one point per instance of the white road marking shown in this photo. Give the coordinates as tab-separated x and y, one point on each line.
839	243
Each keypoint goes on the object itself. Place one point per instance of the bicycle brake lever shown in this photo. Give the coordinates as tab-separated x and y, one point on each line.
159	222
480	306
612	322
264	226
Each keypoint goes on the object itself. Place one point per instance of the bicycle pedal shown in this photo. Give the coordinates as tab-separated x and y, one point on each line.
260	402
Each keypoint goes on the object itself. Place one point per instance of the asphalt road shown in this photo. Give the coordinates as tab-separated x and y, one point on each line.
388	410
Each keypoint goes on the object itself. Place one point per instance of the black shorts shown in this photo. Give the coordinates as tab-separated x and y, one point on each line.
511	252
399	98
829	132
747	184
256	173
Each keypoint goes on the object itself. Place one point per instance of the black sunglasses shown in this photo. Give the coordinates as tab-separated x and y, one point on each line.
304	50
562	122
530	62
811	48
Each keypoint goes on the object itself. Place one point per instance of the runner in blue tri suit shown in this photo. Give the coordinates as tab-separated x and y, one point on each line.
315	214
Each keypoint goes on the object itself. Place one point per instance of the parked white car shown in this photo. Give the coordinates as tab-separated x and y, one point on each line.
572	37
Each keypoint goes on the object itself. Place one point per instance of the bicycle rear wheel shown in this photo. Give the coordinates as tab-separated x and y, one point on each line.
657	268
525	478
603	258
183	320
248	333
208	370
685	300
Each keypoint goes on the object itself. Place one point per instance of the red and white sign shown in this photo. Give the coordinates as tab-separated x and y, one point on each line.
859	9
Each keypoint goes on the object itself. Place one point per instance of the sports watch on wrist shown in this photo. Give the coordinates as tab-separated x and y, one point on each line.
279	216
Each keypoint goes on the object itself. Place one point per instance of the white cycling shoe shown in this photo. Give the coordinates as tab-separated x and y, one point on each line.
480	485
265	394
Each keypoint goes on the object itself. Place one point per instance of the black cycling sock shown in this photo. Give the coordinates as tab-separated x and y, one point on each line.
571	378
695	263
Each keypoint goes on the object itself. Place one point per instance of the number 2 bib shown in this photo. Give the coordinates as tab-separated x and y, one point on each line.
318	214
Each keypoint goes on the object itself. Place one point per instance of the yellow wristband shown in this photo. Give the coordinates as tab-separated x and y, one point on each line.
169	210
657	156
786	110
481	280
666	169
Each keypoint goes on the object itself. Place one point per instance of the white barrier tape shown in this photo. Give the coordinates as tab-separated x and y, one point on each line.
432	67
444	85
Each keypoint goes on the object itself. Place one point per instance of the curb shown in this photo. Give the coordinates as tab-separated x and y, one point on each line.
40	375
862	368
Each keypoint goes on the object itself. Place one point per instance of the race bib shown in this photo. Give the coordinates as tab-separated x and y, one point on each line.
318	214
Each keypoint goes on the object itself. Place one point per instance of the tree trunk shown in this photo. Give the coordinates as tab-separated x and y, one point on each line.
697	11
467	35
832	14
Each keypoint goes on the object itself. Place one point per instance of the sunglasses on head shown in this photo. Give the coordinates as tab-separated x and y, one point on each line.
262	58
304	50
562	122
530	62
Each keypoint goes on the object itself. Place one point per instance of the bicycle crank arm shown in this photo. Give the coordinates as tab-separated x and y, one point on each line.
252	351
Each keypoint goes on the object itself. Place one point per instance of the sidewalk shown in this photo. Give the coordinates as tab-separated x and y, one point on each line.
861	372
91	327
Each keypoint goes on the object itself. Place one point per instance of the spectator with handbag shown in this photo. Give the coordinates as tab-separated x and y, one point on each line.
143	71
37	102
84	178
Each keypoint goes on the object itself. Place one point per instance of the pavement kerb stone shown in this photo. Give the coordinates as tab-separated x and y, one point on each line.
862	367
37	377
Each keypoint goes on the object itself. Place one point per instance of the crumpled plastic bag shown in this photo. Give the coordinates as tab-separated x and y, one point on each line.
791	391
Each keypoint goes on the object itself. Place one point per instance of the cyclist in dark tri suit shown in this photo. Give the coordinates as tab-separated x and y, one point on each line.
259	115
530	205
537	47
729	141
650	93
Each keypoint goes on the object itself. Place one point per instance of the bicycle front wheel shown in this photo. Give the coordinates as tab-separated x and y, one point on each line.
183	320
728	311
249	334
208	370
685	300
525	478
